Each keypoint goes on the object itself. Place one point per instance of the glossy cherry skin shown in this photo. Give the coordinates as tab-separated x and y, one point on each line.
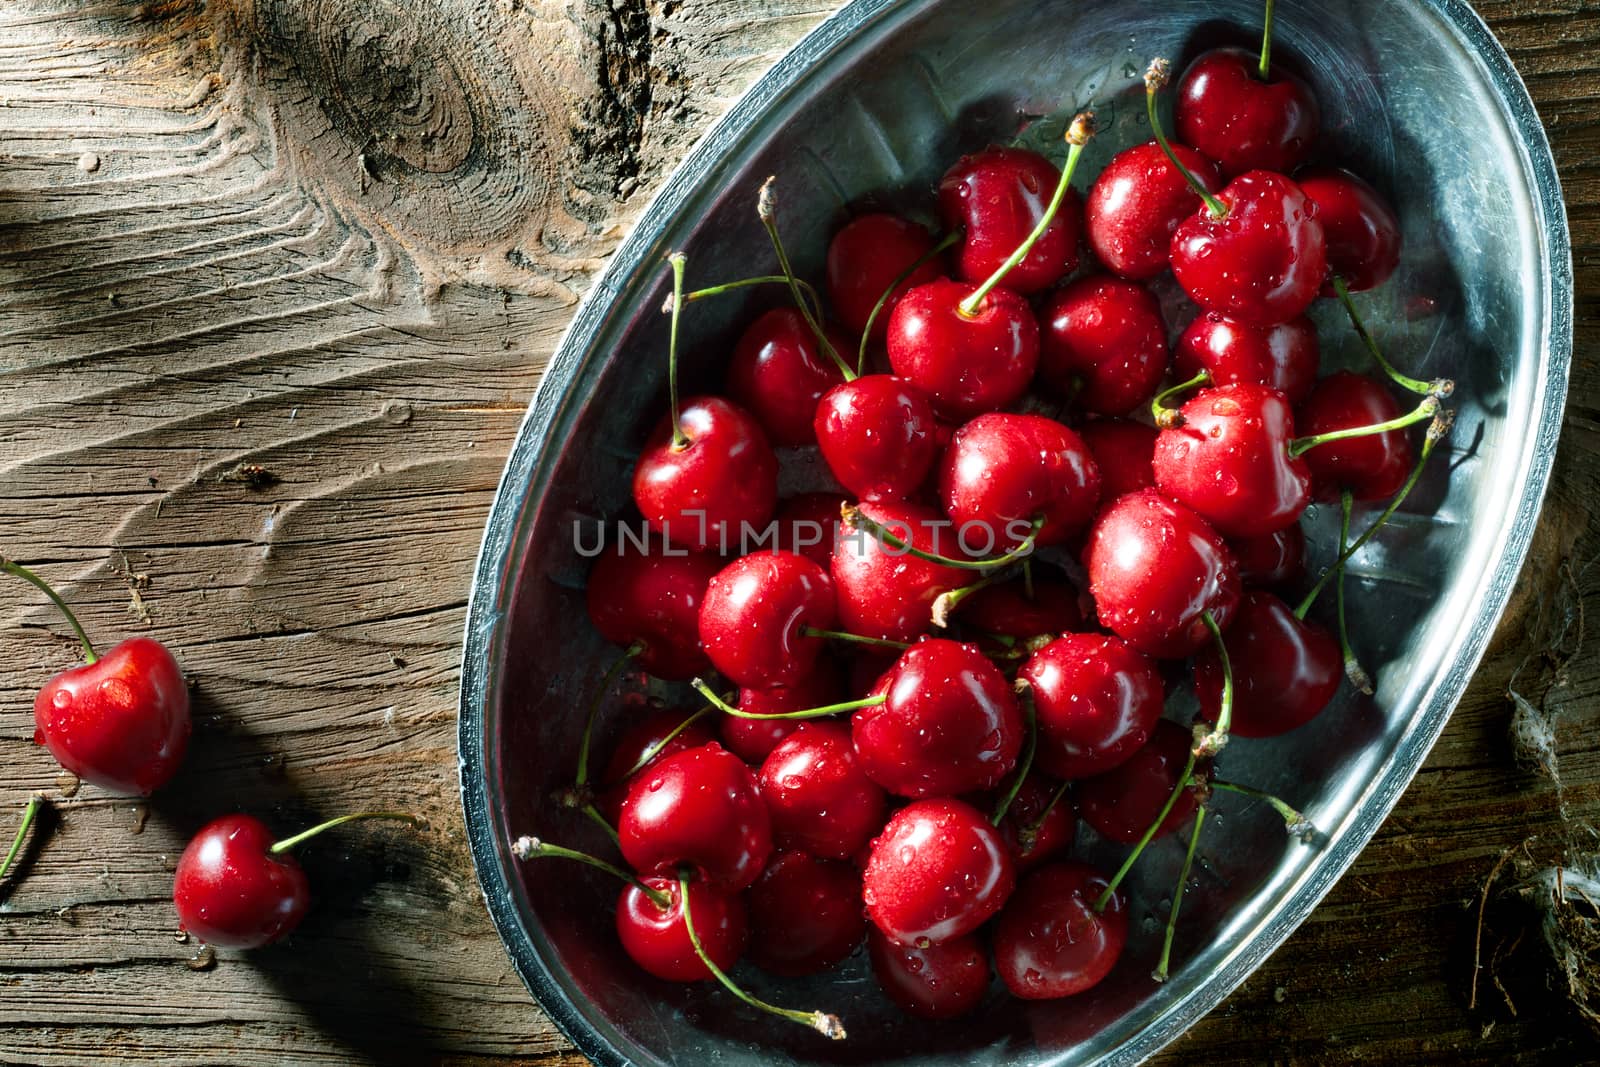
884	592
1104	344
638	739
1227	112
997	197
1122	803
700	808
1136	203
1050	942
820	798
1031	840
753	740
1124	452
121	722
1285	670
1002	471
1007	610
967	364
1284	357
754	613
1363	231
865	257
726	476
938	870
653	599
232	892
1263	263
877	435
943	981
657	939
1229	460
1372	467
1096	702
808	524
805	913
779	373
950	723
1273	560
1155	567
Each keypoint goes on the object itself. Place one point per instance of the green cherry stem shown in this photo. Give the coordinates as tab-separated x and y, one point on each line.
1030	833
655	750
1421	413
1440	387
29	813
679	439
858	639
805	713
1078	135
946	603
287	843
18	570
744	283
1297	824
1352	666
939	249
1169	418
821	1022
769	219
854	517
606	682
531	848
1266	43
1155	79
1163	964
1025	764
1210	742
1149	835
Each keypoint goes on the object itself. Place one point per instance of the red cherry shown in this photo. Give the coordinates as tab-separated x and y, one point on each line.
1008	610
700	492
968	364
1124	452
1138	201
877	435
753	618
1122	803
949	724
122	721
1230	113
820	798
640	738
806	914
1228	459
1155	568
1263	262
941	981
997	197
865	258
232	891
1034	829
701	808
653	599
807	525
938	870
1273	560
779	373
882	591
1362	229
1284	357
1285	670
1096	702
1104	340
1372	467
1050	942
1003	471
753	740
657	938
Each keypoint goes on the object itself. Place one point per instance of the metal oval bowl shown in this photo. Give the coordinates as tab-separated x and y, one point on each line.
871	107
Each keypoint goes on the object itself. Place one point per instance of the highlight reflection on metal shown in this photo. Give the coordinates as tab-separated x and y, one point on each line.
870	107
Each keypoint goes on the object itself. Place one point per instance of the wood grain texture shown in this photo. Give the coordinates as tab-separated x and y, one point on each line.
338	239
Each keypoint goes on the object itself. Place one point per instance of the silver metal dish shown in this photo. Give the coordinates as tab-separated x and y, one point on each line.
872	105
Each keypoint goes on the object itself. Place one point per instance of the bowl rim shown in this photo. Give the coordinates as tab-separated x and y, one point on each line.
1382	793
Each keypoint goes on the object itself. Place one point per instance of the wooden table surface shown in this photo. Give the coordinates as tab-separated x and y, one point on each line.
277	278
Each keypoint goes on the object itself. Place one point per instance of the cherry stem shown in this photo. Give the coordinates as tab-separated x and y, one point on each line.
1352	666
1169	418
1210	742
1024	549
1164	963
769	219
592	813
531	848
840	635
1439	387
1436	433
821	1022
1266	43
805	713
1155	79
743	283
29	812
1027	578
1026	763
290	842
679	439
1297	824
17	569
655	750
1030	833
606	681
1078	135
1149	835
945	603
883	301
1421	413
